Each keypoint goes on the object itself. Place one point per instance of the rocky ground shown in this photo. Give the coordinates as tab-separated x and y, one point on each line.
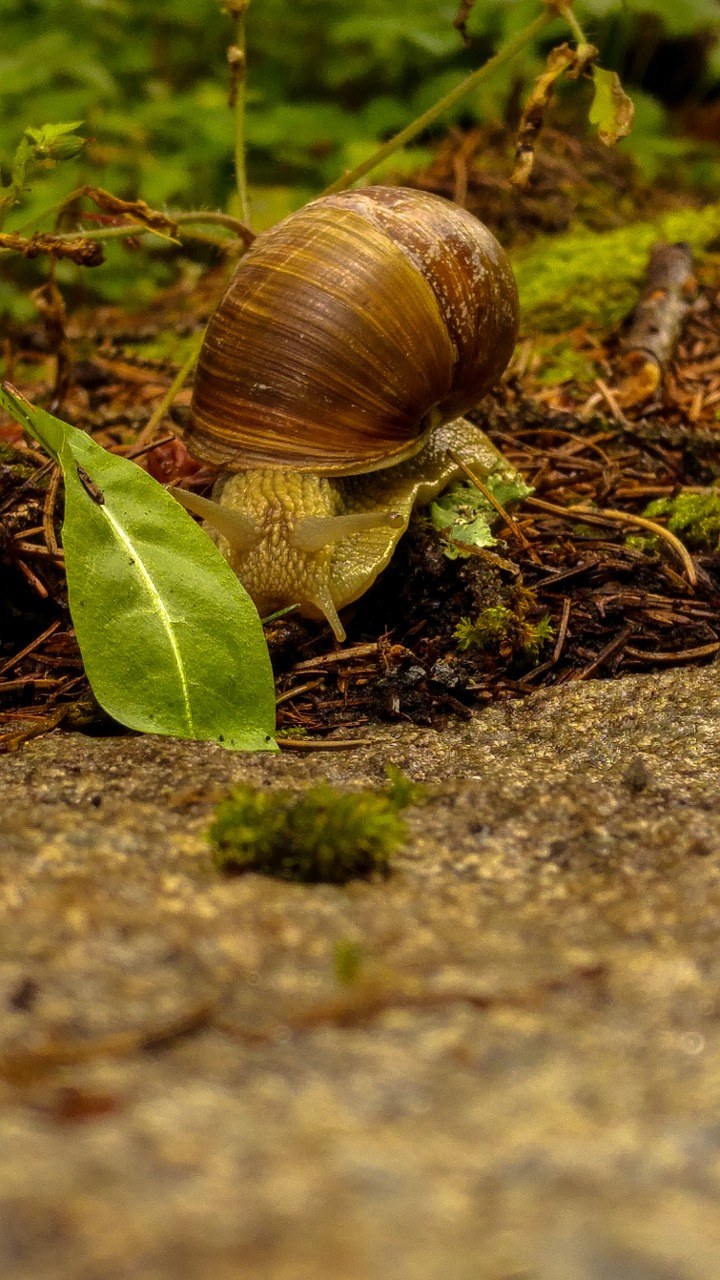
521	1082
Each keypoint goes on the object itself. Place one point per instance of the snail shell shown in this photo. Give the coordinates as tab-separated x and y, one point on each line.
349	331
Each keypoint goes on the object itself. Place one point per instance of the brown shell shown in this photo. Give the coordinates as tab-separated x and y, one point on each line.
348	330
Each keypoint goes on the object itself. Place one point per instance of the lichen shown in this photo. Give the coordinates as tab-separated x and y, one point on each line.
319	835
586	277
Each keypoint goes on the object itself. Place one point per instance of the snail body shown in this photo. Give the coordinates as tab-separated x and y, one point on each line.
330	386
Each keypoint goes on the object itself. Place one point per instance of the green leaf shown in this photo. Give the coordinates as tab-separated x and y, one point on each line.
611	109
465	514
171	642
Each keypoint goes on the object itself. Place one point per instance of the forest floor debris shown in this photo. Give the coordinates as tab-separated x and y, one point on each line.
608	598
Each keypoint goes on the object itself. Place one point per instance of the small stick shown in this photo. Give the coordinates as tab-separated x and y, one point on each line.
32	549
340	655
604	654
29	648
682	655
48	523
608	516
236	98
33	579
658	321
147	448
611	402
338	744
562	630
295	693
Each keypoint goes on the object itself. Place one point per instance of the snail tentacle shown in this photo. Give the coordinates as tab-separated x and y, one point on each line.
314	532
241	531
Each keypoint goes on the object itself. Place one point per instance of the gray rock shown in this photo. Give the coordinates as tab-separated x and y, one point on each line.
522	1084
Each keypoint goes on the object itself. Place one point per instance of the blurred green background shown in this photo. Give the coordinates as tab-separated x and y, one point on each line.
327	79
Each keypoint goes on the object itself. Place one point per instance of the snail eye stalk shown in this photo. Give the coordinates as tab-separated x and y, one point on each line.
241	531
312	533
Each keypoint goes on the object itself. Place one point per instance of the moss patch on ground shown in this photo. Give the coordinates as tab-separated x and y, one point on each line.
589	278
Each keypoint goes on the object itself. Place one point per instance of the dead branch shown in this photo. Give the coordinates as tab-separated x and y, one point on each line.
658	322
87	253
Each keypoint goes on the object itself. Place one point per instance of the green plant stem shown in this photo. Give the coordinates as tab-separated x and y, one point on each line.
243	232
566	12
176	385
237	59
443	104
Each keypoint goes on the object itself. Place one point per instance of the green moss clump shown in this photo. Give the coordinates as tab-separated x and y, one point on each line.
319	835
498	629
589	278
347	961
694	517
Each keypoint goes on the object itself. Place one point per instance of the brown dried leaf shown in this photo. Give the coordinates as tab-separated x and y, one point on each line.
641	377
559	60
460	21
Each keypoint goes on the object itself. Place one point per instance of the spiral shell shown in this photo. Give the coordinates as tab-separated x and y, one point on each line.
348	331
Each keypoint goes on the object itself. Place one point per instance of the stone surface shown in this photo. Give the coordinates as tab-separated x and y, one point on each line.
523	1083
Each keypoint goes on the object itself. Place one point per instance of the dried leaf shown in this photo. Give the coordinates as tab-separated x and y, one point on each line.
611	110
137	210
460	21
562	59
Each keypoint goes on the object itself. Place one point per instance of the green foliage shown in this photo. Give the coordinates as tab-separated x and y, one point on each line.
694	517
171	642
498	629
38	151
326	82
464	514
593	278
319	835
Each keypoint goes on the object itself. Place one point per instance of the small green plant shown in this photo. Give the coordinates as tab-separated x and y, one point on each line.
694	517
38	151
402	791
466	516
500	630
319	835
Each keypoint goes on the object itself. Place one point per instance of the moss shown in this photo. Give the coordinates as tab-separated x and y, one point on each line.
347	961
318	835
402	791
695	517
562	362
586	277
498	629
164	346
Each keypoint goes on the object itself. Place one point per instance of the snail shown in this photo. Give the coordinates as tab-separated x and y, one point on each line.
330	386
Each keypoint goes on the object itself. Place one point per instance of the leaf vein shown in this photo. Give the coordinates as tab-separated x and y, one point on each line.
160	609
